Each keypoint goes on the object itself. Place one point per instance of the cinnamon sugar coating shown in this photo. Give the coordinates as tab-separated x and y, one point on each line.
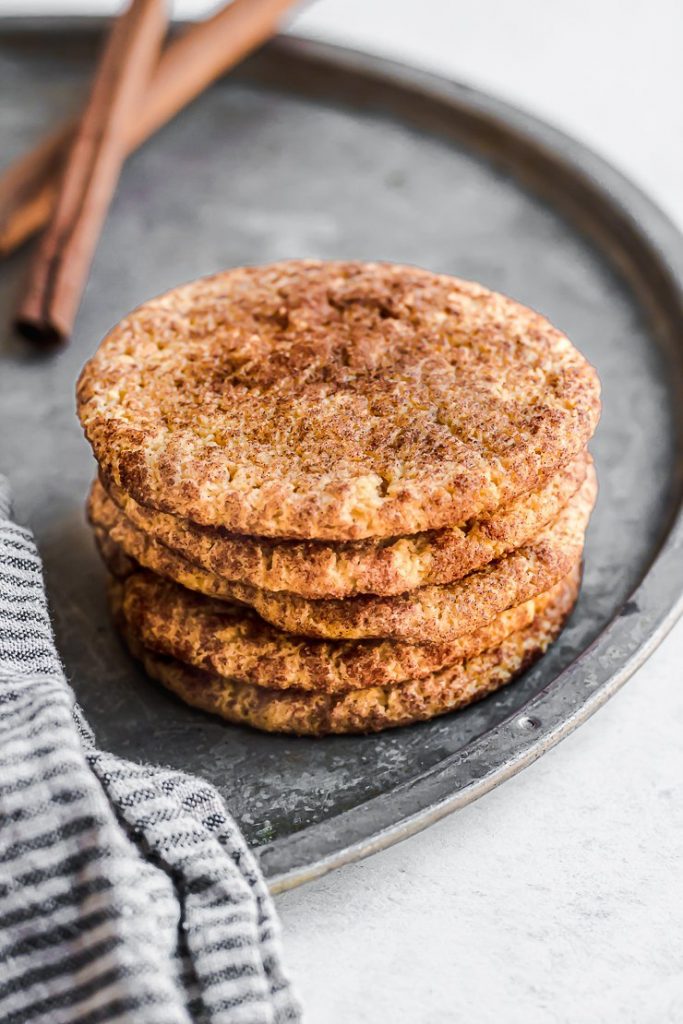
370	709
336	401
322	569
231	641
427	615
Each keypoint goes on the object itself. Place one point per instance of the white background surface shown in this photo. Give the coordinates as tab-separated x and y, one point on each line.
558	897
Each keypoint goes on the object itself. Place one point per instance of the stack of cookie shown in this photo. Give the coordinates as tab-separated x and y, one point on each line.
338	497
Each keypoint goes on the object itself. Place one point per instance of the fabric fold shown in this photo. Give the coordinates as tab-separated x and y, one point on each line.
126	891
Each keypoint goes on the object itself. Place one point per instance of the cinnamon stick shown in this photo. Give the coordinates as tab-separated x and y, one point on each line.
187	66
60	268
28	188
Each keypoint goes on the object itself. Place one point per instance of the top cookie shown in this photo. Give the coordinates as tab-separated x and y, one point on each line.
335	401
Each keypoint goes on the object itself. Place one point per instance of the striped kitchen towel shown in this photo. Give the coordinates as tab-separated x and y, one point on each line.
127	892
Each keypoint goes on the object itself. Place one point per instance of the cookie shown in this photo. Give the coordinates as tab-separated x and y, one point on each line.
319	569
364	710
435	615
335	401
231	641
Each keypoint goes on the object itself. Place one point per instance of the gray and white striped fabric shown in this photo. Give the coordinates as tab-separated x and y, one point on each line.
126	892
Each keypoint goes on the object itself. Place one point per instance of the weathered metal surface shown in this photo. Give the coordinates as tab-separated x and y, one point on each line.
313	151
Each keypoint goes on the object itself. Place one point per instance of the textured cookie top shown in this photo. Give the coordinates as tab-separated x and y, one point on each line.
334	401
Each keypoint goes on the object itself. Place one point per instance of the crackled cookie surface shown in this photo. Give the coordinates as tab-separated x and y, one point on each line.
370	709
327	569
426	615
334	401
231	641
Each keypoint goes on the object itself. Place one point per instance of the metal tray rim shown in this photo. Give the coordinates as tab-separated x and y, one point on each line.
653	607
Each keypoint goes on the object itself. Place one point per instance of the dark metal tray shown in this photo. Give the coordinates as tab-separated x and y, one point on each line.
315	151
